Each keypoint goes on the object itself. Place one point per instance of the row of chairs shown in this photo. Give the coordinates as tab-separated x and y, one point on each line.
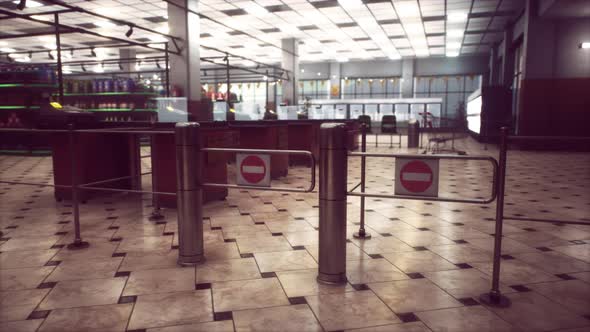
388	123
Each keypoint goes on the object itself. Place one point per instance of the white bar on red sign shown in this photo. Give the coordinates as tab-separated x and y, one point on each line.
425	177
253	169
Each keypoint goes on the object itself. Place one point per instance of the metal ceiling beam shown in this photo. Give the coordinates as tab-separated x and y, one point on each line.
490	22
38	14
25	35
467	22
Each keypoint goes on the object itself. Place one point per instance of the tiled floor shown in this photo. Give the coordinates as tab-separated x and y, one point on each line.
422	270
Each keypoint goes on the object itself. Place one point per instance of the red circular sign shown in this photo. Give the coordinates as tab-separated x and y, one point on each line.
253	169
416	176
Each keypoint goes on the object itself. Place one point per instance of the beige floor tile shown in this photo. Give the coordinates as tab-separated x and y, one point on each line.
21	326
413	295
25	278
89	269
160	281
220	326
248	294
293	318
225	221
553	262
474	318
578	251
233	232
419	261
353	253
350	310
573	294
20	259
155	260
221	251
29	243
83	293
464	282
514	272
584	276
284	261
462	253
262	244
165	309
227	270
533	312
304	283
146	244
286	226
406	327
460	233
17	305
422	238
310	238
380	245
100	318
372	270
96	250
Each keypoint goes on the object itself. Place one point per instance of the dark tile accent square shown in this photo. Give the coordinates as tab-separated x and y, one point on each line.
244	214
415	275
408	317
424	229
298	247
4	238
544	249
225	315
267	203
360	287
46	285
40	314
112	217
375	256
175	247
127	299
268	274
299	218
282	210
113	227
119	254
66	213
233	206
461	241
205	285
393	219
247	255
386	234
122	274
468	301
229	240
52	263
347	240
19	217
168	233
464	266
426	214
64	222
577	242
420	248
11	227
507	257
138	330
161	222
586	316
116	239
520	288
297	300
528	229
259	223
458	224
565	276
57	246
276	234
61	233
216	228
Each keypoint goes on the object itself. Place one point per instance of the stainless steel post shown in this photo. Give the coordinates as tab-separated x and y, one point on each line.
332	197
362	234
189	193
156	212
78	243
494	297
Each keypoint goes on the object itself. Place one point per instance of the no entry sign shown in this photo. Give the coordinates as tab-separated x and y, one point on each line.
253	169
416	177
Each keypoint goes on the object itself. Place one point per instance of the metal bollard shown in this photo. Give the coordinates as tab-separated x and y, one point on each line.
189	193
494	297
78	243
332	197
156	212
362	234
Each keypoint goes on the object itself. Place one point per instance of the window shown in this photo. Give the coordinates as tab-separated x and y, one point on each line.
370	87
314	89
452	89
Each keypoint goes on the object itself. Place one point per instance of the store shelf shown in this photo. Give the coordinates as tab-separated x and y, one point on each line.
25	85
10	107
110	94
120	110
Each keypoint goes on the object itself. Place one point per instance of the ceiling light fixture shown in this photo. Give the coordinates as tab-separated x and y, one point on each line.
158	64
319	74
452	54
457	17
256	10
350	3
50	55
129	32
83	68
342	59
66	70
120	66
9	58
7	50
302	70
104	24
453	45
92	52
21	4
455	33
585	45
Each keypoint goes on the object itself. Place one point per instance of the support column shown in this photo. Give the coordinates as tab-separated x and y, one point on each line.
185	68
335	69
290	61
508	60
492	79
128	67
407	78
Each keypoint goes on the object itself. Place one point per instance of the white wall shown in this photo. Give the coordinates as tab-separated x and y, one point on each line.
451	66
570	60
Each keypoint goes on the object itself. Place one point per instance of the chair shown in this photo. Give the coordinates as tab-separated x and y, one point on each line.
389	126
366	120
